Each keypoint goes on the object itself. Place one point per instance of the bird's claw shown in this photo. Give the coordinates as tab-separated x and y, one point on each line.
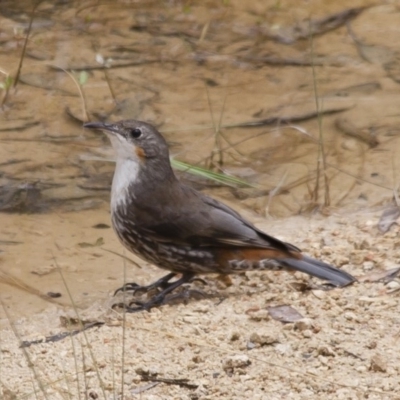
137	305
163	297
158	300
133	287
129	287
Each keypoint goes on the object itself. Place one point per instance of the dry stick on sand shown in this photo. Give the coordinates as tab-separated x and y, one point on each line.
217	138
16	80
321	148
84	110
101	383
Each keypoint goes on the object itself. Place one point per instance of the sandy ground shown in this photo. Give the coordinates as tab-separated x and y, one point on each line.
188	68
346	345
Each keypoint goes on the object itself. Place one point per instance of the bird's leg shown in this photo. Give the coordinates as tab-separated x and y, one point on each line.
159	298
161	283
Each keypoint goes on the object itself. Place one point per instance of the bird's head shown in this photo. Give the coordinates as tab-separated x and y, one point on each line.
143	165
134	140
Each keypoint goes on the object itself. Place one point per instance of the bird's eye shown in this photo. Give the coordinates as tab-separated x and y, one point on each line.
135	133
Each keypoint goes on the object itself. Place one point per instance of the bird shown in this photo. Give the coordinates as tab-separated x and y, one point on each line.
179	229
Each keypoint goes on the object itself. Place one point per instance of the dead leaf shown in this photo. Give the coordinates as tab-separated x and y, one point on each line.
141	389
284	313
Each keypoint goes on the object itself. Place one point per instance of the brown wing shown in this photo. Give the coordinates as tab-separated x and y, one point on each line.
202	221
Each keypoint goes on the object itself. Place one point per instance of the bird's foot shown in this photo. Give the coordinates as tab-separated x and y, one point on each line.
163	296
134	288
136	305
161	299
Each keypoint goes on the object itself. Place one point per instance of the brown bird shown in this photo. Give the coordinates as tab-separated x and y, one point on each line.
177	228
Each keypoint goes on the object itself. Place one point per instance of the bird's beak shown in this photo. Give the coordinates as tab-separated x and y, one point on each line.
104	126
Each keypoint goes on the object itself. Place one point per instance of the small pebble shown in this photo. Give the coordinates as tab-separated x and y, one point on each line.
378	364
264	338
304	324
350	316
368	265
319	294
236	361
393	285
307	333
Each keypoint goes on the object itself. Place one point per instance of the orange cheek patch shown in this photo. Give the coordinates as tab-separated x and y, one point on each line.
140	152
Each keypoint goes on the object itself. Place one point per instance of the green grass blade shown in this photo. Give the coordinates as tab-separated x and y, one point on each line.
206	173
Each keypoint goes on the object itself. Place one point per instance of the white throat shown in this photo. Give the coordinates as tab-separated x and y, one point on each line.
125	174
